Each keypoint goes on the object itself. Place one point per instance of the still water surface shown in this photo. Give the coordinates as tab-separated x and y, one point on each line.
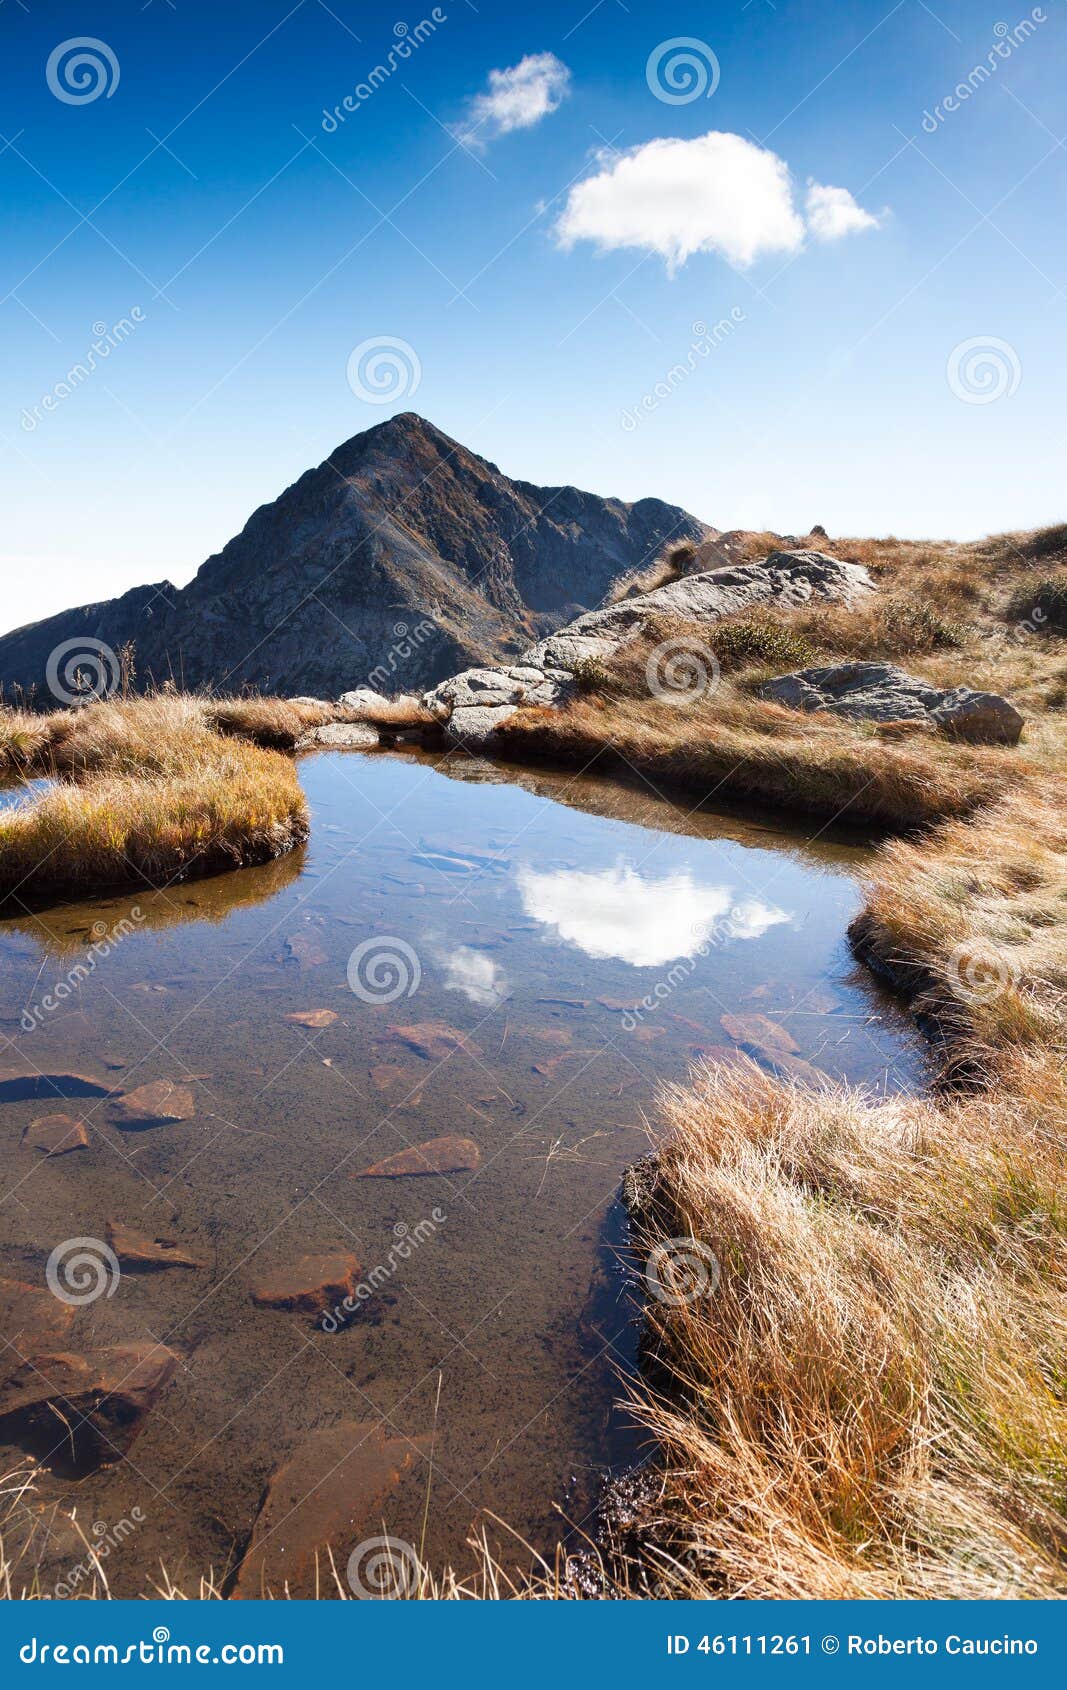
531	914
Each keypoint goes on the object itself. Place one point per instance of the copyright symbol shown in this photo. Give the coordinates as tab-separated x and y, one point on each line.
831	1644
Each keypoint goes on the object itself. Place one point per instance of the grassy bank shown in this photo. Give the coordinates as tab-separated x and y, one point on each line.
862	1393
147	791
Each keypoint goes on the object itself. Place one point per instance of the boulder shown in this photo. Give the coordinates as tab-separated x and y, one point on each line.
339	736
880	692
81	1412
473	705
327	1496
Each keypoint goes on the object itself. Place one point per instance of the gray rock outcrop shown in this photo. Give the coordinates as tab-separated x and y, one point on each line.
880	692
474	703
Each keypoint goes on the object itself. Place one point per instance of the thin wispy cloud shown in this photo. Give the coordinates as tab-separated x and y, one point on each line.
717	193
516	98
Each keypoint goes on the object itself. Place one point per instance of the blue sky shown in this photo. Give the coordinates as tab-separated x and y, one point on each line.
894	373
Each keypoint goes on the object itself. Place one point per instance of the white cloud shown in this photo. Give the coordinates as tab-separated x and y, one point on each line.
477	976
618	913
517	98
716	193
832	212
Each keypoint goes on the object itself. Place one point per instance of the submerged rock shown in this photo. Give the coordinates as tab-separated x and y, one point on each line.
327	1496
55	1135
449	1155
309	1285
137	1250
312	1018
154	1105
433	1040
880	692
84	1411
31	1320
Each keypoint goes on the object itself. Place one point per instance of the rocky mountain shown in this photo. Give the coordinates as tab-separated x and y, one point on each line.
400	560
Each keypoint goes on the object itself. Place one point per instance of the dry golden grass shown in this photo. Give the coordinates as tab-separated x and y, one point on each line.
146	792
871	1402
972	923
732	744
231	805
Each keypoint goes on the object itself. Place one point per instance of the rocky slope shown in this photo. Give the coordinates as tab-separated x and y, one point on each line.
400	560
474	703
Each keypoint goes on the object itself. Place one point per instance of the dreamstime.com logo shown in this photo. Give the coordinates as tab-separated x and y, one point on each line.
682	70
681	1270
980	974
406	643
407	1239
983	369
680	671
82	1269
407	40
383	369
104	1541
106	340
381	1569
80	669
155	1651
104	941
82	69
383	969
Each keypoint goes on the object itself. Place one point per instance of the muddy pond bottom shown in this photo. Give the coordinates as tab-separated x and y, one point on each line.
502	963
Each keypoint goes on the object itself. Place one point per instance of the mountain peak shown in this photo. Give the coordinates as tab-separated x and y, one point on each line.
400	527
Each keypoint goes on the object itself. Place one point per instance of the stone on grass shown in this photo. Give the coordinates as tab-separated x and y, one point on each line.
880	692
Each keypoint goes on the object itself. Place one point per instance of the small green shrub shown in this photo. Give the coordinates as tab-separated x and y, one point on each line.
739	645
911	627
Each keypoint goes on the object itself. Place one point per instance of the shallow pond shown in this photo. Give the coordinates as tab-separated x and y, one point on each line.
515	959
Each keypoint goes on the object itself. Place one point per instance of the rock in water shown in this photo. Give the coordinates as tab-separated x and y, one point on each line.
327	1496
310	1285
137	1250
312	1018
54	1135
31	1320
154	1105
433	1040
80	1412
448	1155
880	692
